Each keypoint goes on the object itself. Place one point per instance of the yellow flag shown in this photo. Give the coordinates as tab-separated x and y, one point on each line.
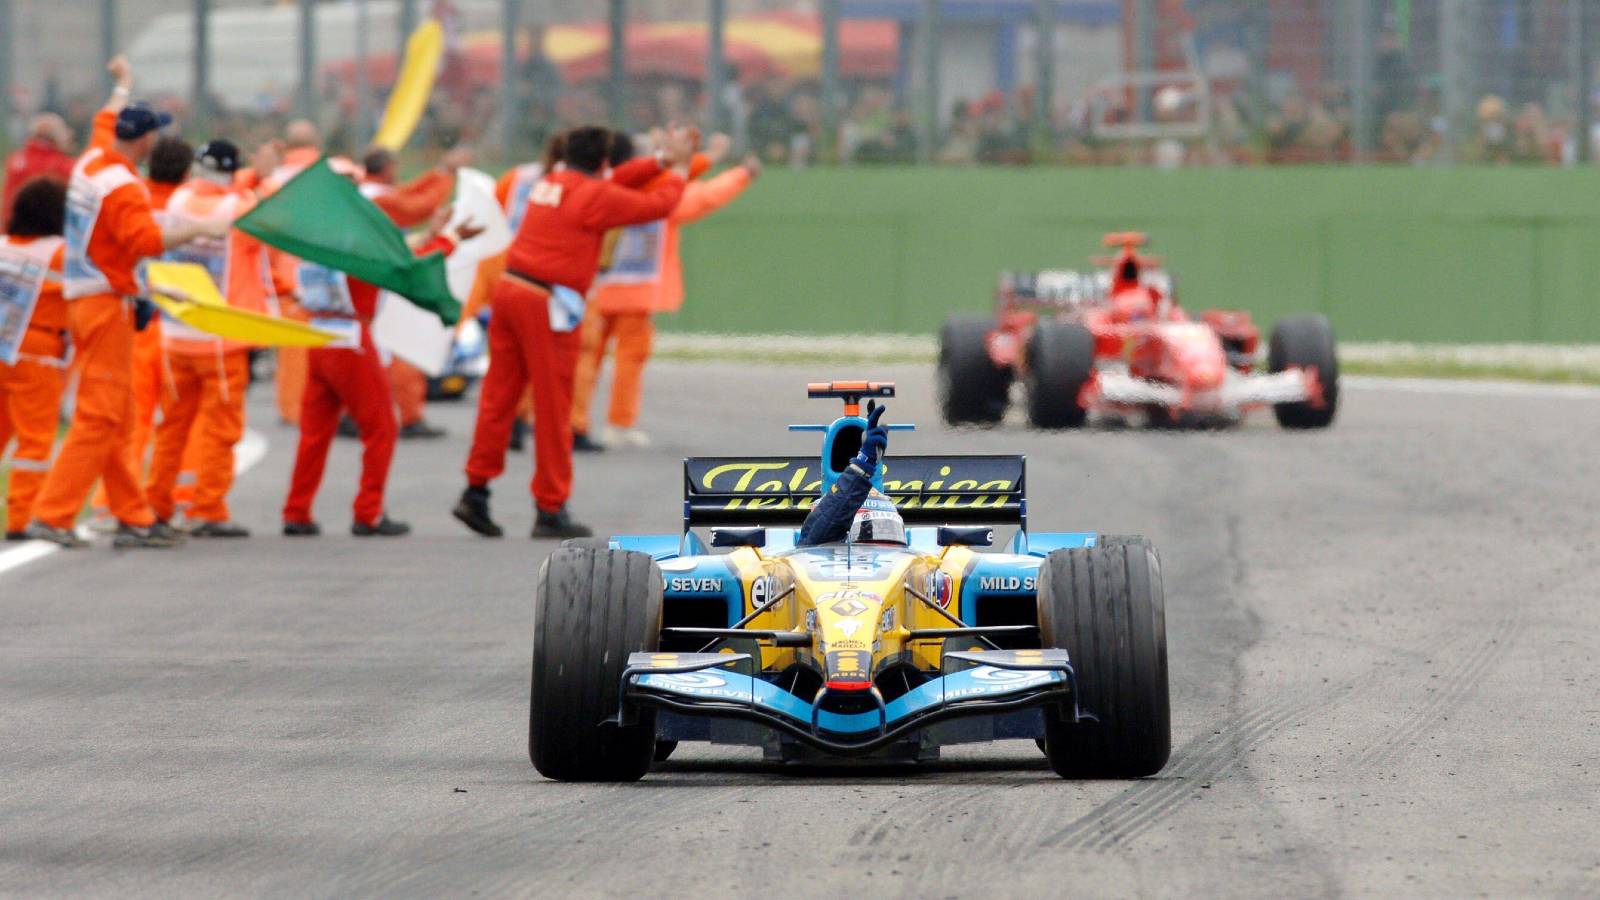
186	292
424	50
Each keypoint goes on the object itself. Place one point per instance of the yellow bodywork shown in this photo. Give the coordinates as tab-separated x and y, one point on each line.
854	599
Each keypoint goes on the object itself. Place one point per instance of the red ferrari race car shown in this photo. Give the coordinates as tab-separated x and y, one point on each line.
1115	342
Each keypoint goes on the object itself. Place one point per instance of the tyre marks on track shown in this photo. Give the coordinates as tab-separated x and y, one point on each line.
1455	688
1200	762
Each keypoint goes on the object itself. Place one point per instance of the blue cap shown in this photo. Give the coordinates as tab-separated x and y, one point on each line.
218	156
137	120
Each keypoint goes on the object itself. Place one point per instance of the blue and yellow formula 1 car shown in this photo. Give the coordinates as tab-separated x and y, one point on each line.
875	650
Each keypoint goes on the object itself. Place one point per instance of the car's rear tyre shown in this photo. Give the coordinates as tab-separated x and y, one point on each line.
1307	342
1060	363
1104	605
972	389
592	609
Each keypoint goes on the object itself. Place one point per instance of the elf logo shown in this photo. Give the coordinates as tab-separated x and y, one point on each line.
1003	583
695	585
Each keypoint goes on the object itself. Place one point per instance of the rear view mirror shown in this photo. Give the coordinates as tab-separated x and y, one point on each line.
966	536
738	537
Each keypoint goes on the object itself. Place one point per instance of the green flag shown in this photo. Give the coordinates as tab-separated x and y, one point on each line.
320	216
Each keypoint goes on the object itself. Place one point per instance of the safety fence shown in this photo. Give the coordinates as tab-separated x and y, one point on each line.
961	82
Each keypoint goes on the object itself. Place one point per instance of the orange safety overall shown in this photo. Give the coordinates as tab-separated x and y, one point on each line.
109	229
202	411
32	381
645	277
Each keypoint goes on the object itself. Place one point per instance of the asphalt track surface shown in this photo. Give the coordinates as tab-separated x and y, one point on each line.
1383	655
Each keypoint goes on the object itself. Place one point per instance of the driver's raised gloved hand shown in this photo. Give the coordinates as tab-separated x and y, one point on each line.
874	440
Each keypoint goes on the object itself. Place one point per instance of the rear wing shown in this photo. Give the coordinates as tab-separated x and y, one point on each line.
780	490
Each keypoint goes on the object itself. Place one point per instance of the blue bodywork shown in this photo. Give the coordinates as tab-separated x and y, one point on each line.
690	564
1000	697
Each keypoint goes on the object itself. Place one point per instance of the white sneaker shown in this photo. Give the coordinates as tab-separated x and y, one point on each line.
626	437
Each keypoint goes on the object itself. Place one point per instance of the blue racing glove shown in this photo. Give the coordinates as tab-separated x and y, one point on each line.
874	440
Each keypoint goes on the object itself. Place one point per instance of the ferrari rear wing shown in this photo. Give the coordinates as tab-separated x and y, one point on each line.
780	490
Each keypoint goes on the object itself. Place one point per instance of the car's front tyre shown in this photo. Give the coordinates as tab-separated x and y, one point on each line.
1306	342
1060	363
1105	606
593	608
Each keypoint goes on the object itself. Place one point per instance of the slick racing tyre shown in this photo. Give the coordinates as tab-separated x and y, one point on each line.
1307	342
1104	605
1060	362
592	609
972	389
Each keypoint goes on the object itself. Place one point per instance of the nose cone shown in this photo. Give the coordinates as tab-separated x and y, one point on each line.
1204	372
1198	357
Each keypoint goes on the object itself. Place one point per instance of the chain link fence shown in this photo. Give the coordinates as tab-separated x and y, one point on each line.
859	82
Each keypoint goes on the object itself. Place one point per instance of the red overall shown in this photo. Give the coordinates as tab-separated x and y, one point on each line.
352	379
558	243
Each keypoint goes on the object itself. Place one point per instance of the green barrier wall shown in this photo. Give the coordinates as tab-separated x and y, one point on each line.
1459	255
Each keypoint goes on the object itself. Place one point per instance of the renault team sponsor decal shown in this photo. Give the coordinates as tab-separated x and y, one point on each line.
938	587
693	679
851	602
1007	583
913	482
762	590
849	665
1009	677
698	684
691	585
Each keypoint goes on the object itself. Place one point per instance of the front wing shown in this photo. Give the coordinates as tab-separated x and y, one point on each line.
997	681
1237	393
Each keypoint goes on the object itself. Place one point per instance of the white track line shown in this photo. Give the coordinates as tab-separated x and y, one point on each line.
1468	387
250	450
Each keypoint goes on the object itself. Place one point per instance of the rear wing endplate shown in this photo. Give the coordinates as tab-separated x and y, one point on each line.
780	490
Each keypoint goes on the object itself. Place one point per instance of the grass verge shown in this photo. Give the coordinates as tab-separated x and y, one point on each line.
1542	363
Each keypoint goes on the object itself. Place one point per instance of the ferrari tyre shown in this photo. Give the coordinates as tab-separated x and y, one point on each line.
592	609
1104	605
1307	342
972	389
1060	363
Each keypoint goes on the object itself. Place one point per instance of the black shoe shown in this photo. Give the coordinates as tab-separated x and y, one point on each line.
582	443
559	524
472	510
208	529
16	535
421	430
347	428
63	537
519	436
301	529
162	530
156	537
384	527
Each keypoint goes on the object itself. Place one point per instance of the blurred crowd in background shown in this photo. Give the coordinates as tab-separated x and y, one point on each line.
1130	82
